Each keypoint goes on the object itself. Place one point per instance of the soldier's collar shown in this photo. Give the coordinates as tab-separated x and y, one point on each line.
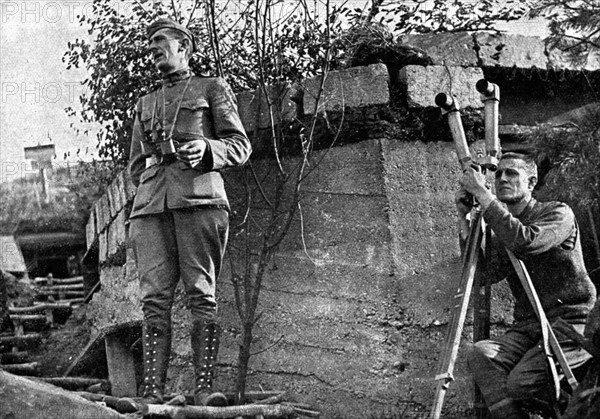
177	76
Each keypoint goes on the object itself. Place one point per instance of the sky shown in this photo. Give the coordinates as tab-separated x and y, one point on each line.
36	87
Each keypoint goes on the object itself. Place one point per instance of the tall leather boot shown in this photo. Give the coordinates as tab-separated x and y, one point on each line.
205	346
157	350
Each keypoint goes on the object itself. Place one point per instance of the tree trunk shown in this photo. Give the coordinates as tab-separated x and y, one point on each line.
243	361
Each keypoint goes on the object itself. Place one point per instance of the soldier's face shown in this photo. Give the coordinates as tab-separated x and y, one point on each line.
513	184
167	51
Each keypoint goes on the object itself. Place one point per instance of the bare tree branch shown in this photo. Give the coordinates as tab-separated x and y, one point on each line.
274	344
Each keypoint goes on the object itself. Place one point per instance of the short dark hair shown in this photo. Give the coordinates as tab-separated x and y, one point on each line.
527	159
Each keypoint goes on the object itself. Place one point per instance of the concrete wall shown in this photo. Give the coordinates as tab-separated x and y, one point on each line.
356	327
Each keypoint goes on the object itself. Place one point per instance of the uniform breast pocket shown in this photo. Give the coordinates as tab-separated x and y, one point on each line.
193	117
149	174
146	120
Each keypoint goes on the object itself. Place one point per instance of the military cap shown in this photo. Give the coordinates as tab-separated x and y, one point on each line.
170	24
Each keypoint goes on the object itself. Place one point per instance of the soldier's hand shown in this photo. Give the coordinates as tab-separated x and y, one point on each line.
191	151
473	180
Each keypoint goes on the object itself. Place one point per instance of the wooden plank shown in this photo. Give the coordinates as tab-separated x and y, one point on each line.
60	281
62	293
193	412
70	301
35	322
73	302
28	317
14	358
25	339
28	368
39	307
73	383
68	287
95	348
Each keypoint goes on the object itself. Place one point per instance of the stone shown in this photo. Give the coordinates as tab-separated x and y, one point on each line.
116	235
112	195
119	192
251	102
102	213
90	229
102	247
352	170
510	51
129	187
424	83
454	49
353	87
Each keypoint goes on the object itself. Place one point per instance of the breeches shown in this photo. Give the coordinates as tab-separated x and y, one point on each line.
186	245
514	365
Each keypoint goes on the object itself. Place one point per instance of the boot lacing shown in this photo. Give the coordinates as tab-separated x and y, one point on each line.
207	370
150	370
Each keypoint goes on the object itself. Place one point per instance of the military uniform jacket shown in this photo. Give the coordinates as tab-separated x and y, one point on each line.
545	236
201	108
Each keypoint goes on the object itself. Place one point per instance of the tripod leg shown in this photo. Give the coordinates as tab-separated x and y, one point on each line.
549	338
481	317
463	294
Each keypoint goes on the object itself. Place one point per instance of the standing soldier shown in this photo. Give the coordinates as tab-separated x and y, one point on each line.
184	133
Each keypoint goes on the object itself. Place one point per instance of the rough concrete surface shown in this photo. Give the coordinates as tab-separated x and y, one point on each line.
254	108
422	84
454	49
510	50
118	301
354	87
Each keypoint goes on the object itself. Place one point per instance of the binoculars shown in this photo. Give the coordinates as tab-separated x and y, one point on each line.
167	147
157	142
490	95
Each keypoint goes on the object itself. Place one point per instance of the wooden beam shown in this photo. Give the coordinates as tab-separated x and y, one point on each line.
60	281
121	366
73	383
38	308
207	412
21	340
14	358
28	368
